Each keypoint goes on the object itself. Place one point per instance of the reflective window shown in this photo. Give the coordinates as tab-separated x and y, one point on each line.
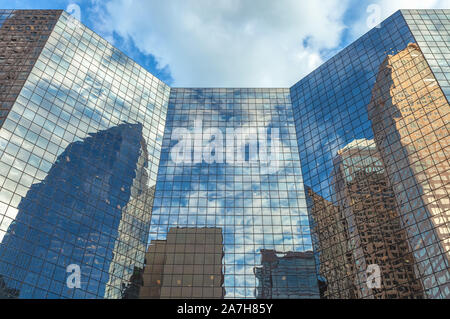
79	157
114	185
372	127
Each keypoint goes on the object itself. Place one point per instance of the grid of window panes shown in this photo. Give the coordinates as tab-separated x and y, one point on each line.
257	205
431	29
80	147
409	112
372	193
79	154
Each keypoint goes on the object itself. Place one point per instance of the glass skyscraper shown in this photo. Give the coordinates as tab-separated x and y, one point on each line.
338	187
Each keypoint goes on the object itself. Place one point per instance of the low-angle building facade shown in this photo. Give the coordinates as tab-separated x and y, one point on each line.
115	185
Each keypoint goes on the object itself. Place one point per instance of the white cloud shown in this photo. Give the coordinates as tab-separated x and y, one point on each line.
240	43
225	43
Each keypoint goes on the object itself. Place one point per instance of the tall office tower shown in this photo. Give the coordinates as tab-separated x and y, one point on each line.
334	107
410	116
78	150
186	265
235	159
23	34
287	275
374	230
329	233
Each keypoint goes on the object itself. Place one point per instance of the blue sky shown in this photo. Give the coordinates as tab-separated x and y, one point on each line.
230	43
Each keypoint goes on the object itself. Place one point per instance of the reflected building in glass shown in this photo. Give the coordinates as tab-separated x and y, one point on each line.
131	242
373	229
188	264
334	260
290	275
160	192
79	153
410	117
372	129
56	226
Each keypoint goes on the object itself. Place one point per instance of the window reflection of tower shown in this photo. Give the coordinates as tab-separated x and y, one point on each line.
188	264
410	117
375	233
127	267
77	211
334	260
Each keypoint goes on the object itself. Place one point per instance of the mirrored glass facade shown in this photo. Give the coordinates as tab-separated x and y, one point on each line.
79	154
373	134
257	201
338	187
430	29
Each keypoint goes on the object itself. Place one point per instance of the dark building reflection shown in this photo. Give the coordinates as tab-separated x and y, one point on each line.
6	292
286	275
188	264
132	241
90	210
